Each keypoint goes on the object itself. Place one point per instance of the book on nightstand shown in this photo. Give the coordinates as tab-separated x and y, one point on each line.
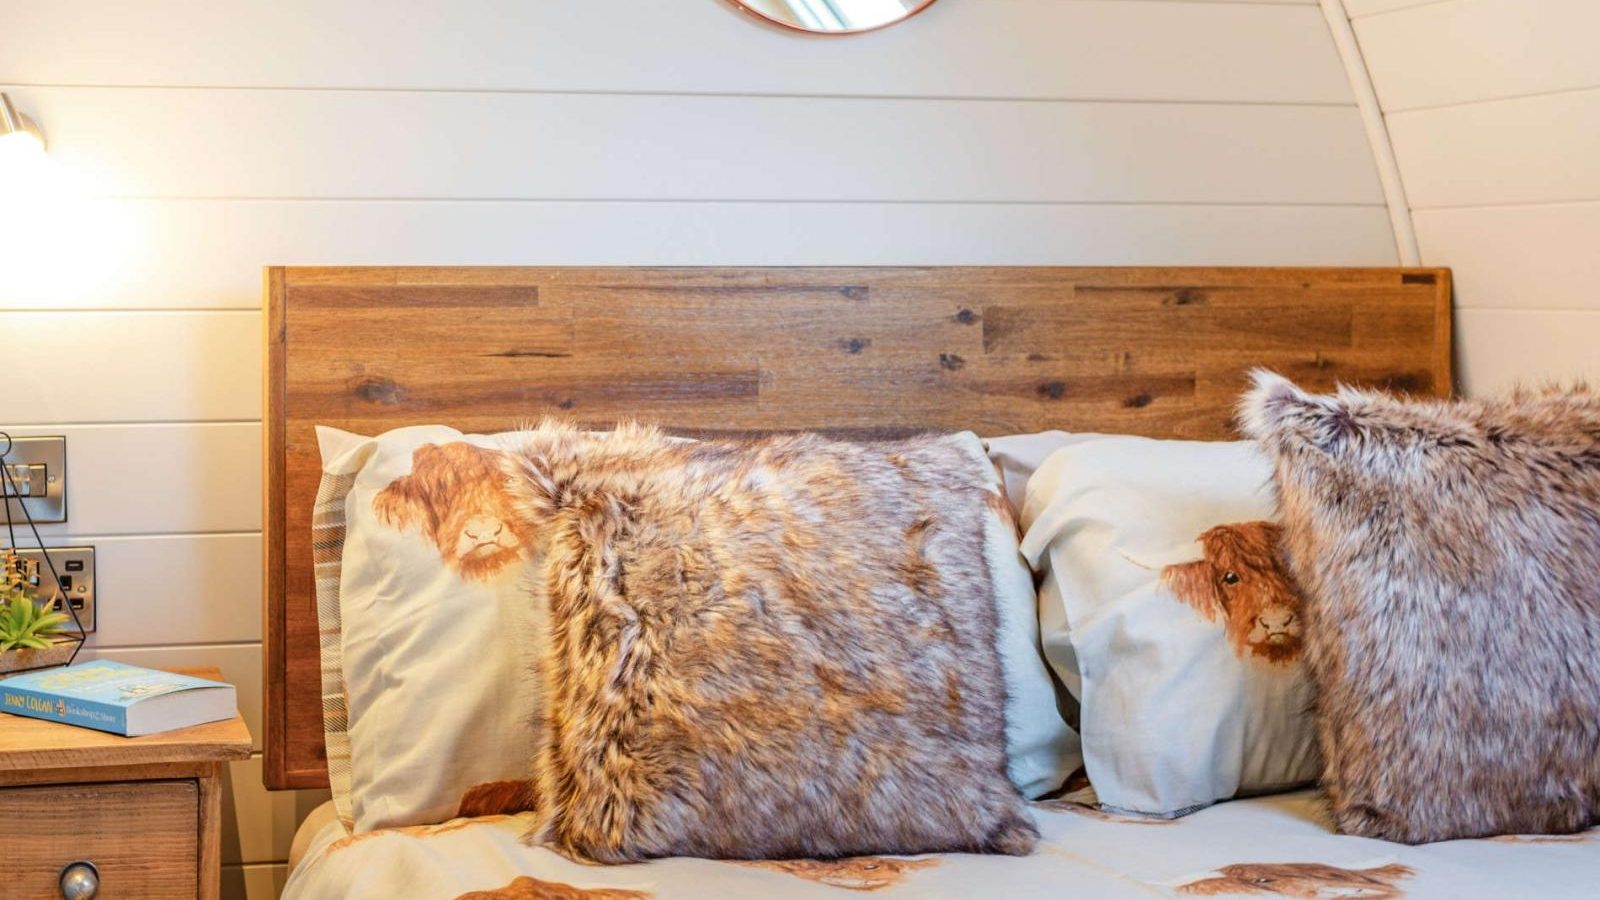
116	697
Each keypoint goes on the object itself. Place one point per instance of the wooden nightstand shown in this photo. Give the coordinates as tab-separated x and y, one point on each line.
146	811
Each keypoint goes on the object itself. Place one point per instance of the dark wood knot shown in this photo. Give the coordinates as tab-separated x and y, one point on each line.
380	390
1408	382
1054	390
951	361
536	354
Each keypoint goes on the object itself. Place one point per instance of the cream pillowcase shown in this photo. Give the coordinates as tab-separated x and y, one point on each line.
1042	749
1167	613
429	631
435	631
1017	456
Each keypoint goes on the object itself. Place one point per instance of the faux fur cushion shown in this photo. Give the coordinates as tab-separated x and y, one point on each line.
779	649
1450	558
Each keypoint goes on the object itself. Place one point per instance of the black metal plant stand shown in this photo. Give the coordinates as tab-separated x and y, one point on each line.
13	496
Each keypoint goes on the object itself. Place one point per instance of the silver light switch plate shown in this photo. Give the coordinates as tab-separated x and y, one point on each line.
75	567
38	468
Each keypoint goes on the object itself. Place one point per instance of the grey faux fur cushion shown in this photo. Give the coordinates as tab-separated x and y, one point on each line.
776	649
1450	557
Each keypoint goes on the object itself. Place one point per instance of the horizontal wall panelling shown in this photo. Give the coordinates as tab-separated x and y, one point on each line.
1493	108
176	589
159	478
209	253
1360	8
1541	256
254	881
1527	150
1251	52
1500	348
1468	50
132	366
147	142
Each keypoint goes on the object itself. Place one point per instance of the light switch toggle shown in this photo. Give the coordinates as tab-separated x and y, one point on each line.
28	480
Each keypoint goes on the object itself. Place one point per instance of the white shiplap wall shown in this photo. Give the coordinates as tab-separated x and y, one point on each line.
1493	110
198	142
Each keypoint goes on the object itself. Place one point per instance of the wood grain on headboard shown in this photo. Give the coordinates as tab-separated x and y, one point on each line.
1160	352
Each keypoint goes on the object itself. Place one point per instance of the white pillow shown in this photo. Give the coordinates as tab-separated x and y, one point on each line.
1041	748
434	628
430	713
1187	675
1018	456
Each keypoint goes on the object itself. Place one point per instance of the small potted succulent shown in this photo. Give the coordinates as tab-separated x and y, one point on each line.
30	637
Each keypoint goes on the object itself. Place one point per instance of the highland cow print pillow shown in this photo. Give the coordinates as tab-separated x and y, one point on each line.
1168	613
1450	553
421	577
785	648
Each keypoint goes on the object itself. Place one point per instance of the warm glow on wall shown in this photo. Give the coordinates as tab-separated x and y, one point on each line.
22	159
19	148
58	246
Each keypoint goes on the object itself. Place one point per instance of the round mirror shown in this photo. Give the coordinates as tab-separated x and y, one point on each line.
834	16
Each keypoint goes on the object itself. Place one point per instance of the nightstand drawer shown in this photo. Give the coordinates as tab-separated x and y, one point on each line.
143	836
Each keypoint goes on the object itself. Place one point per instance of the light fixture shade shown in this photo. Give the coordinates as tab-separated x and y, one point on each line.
13	122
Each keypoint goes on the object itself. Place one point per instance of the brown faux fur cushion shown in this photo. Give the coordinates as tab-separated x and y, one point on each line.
776	649
1450	557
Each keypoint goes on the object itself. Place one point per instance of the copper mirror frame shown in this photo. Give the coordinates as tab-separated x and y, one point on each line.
833	16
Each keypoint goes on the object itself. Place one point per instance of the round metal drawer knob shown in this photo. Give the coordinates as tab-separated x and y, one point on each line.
80	881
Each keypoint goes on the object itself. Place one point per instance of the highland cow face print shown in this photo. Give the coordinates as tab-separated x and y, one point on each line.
1098	814
1307	881
456	495
420	832
1242	580
526	888
497	798
856	873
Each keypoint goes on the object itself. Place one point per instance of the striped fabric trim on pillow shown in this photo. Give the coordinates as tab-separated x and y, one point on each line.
327	554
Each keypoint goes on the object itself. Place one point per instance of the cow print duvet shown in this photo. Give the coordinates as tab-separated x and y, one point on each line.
1280	846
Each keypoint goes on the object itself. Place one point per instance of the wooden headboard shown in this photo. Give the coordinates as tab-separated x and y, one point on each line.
1159	352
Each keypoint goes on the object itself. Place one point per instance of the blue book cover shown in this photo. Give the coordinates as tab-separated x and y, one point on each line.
117	697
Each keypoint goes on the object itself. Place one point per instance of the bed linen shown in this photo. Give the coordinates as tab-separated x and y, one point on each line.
1280	846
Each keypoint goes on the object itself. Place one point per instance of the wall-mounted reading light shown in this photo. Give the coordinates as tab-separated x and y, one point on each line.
60	243
18	134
